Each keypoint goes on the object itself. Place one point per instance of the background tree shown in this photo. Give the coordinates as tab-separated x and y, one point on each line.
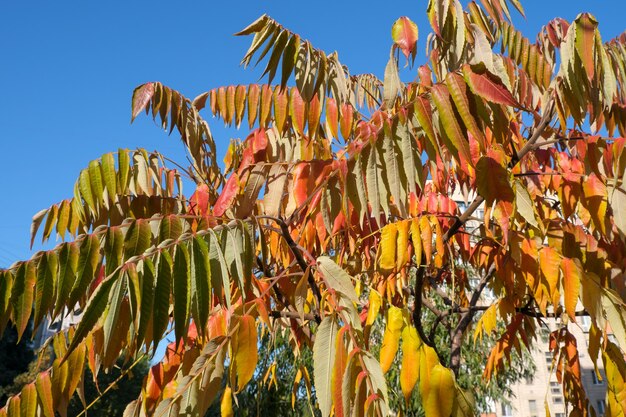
336	210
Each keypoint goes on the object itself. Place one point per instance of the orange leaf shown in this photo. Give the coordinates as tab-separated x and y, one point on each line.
493	181
44	390
572	276
332	116
585	26
404	34
549	261
296	110
253	103
346	120
281	104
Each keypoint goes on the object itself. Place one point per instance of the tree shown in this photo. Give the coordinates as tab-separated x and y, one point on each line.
337	208
18	362
123	387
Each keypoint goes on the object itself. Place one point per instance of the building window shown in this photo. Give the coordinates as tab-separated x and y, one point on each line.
507	411
559	415
532	406
594	376
555	388
600	408
557	399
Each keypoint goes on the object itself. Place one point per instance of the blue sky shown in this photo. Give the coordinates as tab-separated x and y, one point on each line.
69	68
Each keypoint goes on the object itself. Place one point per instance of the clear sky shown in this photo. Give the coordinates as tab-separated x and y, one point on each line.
68	69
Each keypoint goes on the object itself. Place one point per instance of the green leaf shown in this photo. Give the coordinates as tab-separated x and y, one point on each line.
232	240
28	404
162	291
458	91
87	266
323	362
84	185
109	175
46	278
219	270
200	282
147	299
451	127
68	265
22	294
6	285
113	310
113	249
123	164
95	179
182	291
94	311
138	238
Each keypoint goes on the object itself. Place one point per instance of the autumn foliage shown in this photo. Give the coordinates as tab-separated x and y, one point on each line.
335	214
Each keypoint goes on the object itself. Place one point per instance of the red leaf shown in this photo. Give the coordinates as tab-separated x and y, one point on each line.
141	97
488	86
199	201
226	198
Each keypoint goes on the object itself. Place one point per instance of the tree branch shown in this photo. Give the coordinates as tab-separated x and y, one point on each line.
529	146
301	262
456	336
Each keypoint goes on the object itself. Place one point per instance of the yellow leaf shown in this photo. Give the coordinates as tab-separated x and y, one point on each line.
416	239
410	368
226	406
391	338
428	360
402	245
487	322
440	398
244	348
374	307
572	275
387	248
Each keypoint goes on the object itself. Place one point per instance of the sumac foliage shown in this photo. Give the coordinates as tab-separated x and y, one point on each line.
336	213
